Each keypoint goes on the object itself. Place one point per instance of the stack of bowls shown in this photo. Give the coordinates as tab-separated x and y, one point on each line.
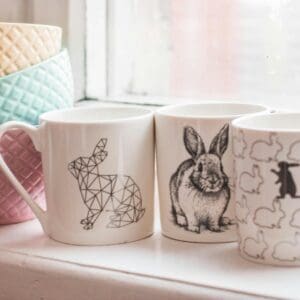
35	77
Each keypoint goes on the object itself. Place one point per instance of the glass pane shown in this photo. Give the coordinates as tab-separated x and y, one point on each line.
207	49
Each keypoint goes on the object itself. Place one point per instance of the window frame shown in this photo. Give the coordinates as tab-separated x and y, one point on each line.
106	31
94	32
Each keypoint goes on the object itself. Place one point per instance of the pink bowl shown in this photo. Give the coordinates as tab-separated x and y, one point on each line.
25	162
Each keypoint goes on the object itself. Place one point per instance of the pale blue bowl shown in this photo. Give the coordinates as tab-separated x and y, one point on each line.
26	94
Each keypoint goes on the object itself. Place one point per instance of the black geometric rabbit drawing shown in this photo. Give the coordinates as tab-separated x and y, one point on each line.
117	194
199	188
286	180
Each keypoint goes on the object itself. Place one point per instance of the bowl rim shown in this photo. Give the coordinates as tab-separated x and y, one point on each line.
4	24
63	52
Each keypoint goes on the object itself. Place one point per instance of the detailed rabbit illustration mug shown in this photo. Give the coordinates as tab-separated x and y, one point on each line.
195	170
98	165
268	187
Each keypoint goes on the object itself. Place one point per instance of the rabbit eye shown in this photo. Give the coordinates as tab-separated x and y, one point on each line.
200	167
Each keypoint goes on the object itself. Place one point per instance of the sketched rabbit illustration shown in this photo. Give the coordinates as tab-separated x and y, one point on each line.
199	188
114	193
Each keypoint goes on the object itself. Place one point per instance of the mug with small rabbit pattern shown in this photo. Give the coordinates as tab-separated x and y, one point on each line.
266	151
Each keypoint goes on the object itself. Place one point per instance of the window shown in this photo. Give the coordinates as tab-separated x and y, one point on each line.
151	51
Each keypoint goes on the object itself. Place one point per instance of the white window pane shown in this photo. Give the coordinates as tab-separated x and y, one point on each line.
206	49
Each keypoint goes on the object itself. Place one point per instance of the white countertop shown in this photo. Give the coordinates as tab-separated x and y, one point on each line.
36	267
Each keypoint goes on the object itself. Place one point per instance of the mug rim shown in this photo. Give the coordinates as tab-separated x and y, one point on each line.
51	116
166	111
239	123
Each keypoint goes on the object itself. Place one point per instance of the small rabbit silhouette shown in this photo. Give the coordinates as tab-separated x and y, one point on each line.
288	250
117	194
269	217
242	210
199	188
239	145
294	151
233	180
256	247
286	180
295	220
251	183
266	151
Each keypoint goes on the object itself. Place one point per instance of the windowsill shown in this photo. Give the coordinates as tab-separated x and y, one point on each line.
33	266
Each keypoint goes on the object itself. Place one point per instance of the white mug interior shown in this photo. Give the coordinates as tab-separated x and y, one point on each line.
95	114
212	110
270	122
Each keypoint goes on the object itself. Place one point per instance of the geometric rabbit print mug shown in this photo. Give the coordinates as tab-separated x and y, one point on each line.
195	170
267	156
98	166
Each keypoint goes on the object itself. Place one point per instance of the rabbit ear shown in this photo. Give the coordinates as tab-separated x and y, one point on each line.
72	169
260	236
255	170
220	142
293	165
193	142
244	200
297	238
100	146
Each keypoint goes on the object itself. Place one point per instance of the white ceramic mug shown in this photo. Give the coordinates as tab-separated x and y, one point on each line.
195	170
267	150
98	166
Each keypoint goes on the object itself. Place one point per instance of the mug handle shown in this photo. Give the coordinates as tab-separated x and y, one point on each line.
34	134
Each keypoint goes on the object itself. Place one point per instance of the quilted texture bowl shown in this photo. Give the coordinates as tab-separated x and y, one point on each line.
25	162
26	94
24	45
